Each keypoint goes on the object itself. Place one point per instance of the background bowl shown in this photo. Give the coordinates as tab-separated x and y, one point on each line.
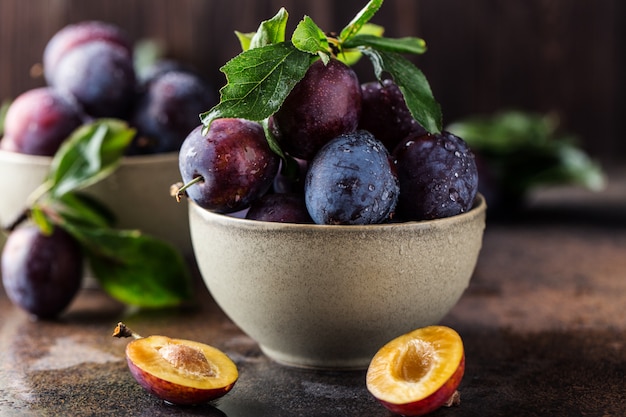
137	192
330	296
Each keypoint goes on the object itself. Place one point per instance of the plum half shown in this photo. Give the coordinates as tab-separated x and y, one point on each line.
178	371
418	372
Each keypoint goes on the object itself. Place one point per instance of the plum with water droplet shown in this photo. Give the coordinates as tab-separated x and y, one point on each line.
351	181
437	174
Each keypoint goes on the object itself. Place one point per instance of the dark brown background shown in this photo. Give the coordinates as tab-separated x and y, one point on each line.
563	56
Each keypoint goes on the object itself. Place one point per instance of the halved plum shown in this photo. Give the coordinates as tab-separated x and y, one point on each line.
418	372
179	371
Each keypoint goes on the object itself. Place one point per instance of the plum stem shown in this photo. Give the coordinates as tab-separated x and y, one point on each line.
121	330
178	191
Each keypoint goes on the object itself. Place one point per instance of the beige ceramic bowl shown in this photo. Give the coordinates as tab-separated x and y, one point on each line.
331	296
137	192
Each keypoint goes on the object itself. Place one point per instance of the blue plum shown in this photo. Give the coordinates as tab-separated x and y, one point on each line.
351	181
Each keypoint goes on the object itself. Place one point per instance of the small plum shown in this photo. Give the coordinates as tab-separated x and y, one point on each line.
179	371
281	208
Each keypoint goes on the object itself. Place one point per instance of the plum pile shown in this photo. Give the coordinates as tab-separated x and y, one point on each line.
90	73
361	158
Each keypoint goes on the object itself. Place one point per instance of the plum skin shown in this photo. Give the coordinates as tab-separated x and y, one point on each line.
77	34
172	392
434	401
234	160
41	274
100	75
438	176
280	208
167	111
351	181
324	104
384	113
39	120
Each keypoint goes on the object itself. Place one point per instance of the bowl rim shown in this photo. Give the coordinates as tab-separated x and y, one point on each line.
42	160
478	209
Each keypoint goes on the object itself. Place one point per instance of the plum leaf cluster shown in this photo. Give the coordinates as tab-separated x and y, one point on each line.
261	77
133	267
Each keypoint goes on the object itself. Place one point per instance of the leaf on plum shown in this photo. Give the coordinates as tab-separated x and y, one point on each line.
271	31
406	45
258	81
413	85
360	20
308	37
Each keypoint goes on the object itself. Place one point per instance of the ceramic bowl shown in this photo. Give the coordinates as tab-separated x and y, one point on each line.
330	296
137	193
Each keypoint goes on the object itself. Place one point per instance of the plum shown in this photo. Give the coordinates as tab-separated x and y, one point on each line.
324	104
39	120
168	110
351	181
384	113
100	75
232	163
41	273
438	176
281	208
77	34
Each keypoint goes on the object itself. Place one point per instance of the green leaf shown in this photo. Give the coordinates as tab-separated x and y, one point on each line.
258	81
413	85
352	56
134	268
360	19
525	150
245	39
308	37
91	153
407	45
271	31
83	209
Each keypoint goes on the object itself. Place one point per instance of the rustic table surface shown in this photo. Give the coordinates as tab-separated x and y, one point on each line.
543	324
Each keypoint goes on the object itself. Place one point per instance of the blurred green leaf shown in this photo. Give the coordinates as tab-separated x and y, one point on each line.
90	154
525	150
134	268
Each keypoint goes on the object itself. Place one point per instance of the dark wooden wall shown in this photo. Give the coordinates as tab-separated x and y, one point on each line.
562	56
